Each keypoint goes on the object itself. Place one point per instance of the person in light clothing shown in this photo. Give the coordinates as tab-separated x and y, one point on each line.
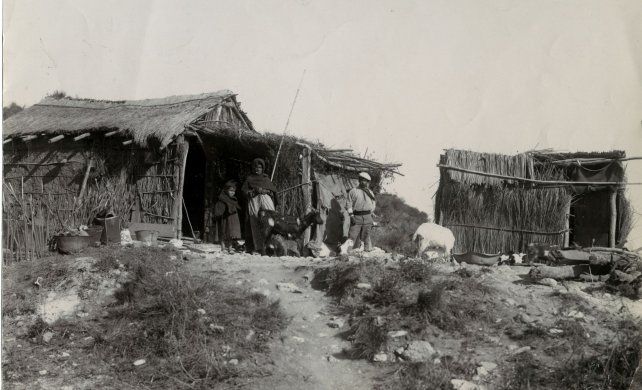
361	205
261	195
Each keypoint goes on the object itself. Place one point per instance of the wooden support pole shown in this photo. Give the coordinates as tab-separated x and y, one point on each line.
56	138
90	163
567	227
81	136
613	221
306	172
183	149
6	141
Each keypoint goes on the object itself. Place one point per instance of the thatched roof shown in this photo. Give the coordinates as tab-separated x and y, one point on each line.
162	119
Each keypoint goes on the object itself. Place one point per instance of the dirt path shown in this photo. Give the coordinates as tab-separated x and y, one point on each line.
308	355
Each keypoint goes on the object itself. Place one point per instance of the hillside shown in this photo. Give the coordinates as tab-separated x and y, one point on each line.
397	221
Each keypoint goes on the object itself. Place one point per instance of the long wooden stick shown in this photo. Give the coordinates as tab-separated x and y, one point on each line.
285	129
536	181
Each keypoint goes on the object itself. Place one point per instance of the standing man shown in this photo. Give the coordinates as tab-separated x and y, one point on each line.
361	205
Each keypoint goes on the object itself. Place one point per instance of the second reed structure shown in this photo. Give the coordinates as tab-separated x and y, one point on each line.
499	203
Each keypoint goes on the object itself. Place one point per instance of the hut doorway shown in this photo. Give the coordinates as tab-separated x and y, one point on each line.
590	218
194	191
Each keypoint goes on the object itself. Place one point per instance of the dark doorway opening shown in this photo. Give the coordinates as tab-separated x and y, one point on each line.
590	219
194	191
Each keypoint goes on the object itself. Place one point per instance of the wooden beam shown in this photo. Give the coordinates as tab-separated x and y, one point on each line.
81	136
613	220
128	142
307	190
109	134
6	141
550	182
29	137
177	213
56	138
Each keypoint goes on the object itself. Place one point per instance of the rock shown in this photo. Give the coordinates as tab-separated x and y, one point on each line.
331	359
82	314
548	282
555	331
525	318
233	362
419	351
217	328
42	372
336	323
521	350
510	301
380	357
288	287
64	354
139	362
250	334
575	314
201	311
298	339
364	286
262	282
176	243
461	384
399	351
397	333
46	337
485	368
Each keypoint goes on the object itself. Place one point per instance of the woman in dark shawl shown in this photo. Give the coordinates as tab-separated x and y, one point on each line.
260	193
226	215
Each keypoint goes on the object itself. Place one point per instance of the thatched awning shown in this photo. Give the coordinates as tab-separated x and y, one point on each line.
162	119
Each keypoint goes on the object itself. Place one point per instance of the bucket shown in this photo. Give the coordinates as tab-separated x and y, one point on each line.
147	236
111	231
95	233
72	244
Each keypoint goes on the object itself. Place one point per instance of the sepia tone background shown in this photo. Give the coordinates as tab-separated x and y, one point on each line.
398	80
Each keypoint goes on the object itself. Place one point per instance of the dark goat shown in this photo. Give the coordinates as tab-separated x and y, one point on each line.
286	228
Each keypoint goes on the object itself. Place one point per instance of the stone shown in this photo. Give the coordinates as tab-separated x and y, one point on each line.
510	301
42	372
575	314
201	311
525	318
461	384
288	287
250	334
548	282
331	359
489	366
397	333
336	323
298	339
399	351
139	362
555	331
380	357
262	282
217	328
364	286
64	354
47	336
521	350
233	362
419	351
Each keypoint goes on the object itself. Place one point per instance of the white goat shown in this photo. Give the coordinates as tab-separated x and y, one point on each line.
430	236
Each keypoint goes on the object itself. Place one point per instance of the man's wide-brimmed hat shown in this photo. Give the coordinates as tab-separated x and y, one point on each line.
230	184
364	175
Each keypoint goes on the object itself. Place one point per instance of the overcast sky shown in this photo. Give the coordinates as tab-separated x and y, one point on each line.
403	80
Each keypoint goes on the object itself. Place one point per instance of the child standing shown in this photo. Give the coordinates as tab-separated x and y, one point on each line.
226	215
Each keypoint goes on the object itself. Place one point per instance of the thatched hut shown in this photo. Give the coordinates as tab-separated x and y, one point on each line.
157	161
499	203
